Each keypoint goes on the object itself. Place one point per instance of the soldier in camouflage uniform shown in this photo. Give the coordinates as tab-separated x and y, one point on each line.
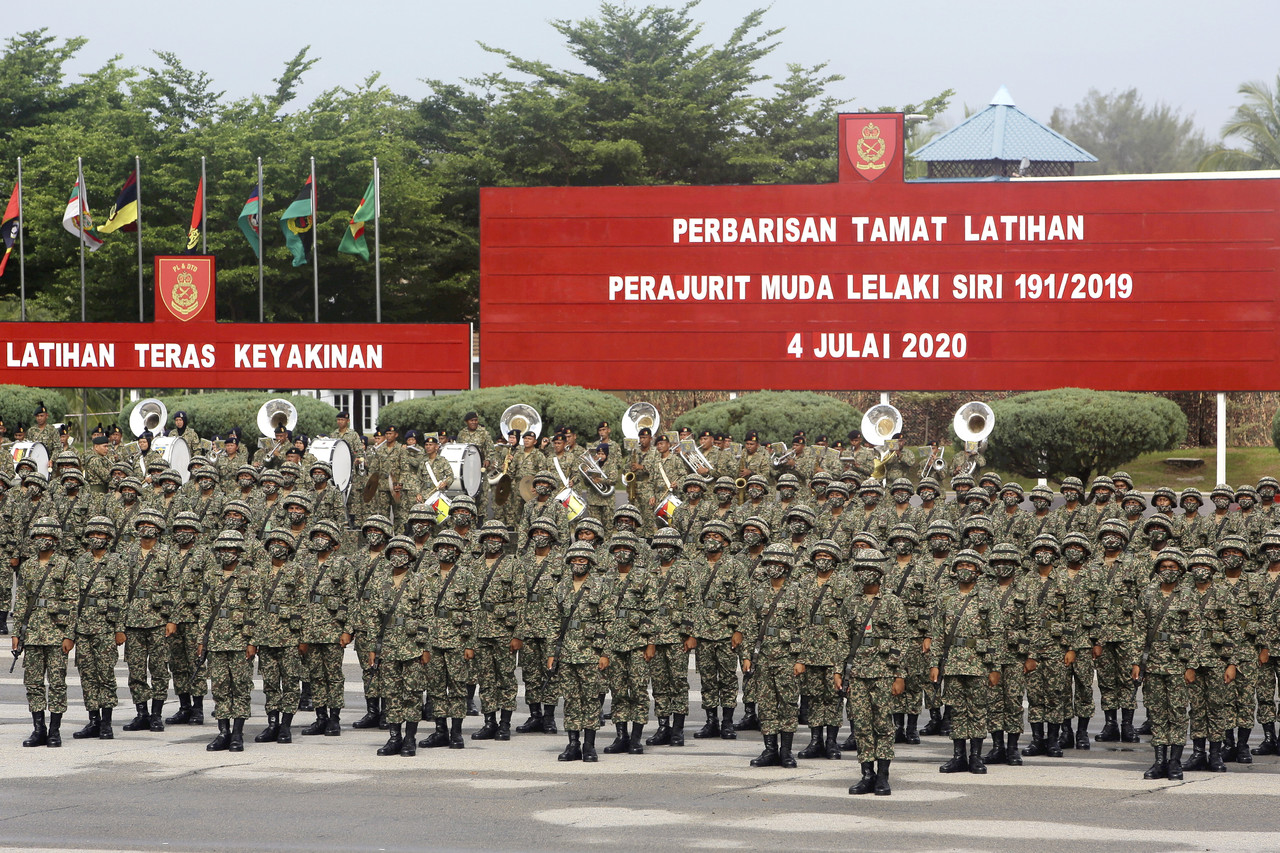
826	594
1268	582
526	461
1255	523
1247	592
398	616
1099	507
475	434
579	654
940	542
691	515
799	533
326	498
97	468
831	519
327	602
966	637
72	509
541	567
1086	584
1068	517
1191	529
451	594
669	666
629	642
376	532
1010	523
910	579
543	506
103	581
227	610
501	599
48	595
148	611
1122	583
719	592
277	633
1005	713
43	432
929	490
1214	663
167	503
191	563
207	503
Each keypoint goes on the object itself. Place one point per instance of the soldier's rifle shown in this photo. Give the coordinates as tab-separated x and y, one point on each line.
951	638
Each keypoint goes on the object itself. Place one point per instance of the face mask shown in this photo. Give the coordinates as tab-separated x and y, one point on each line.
752	538
978	537
1071	496
901	497
1201	574
797	527
461	519
270	487
975	507
245	482
420	528
712	545
227	557
541	540
625	523
128	496
580	568
786	492
205	484
1170	575
1011	500
1246	502
169	488
398	559
99	542
940	545
235	522
1221	503
34	490
1040	504
184	537
773	571
1005	570
1132	509
1159	535
318	543
624	556
296	516
70	487
723	497
375	537
43	543
447	554
278	550
1233	561
492	547
1102	496
693	495
319	477
1191	505
148	531
755	493
902	546
666	553
824	564
928	495
1043	557
1273	555
1073	554
836	501
1112	542
1266	493
965	576
542	490
288	481
870	500
868	578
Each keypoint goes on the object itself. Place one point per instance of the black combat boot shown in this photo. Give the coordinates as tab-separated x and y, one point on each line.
1175	762
272	731
1243	756
382	714
589	746
572	752
814	749
334	729
899	722
1052	744
1199	761
92	729
4	622
831	748
1128	734
934	726
321	723
395	741
910	732
1159	769
850	743
549	719
1012	756
637	739
867	784
662	737
1268	745
726	725
197	711
1229	746
223	738
785	758
768	758
54	738
1145	728
975	756
370	718
1082	732
946	721
286	729
157	718
472	710
409	744
489	729
882	778
534	723
304	699
106	733
677	729
1110	731
959	762
141	722
237	735
1215	764
439	738
997	754
1066	738
712	726
750	722
428	711
504	726
1037	745
455	733
39	734
183	713
621	743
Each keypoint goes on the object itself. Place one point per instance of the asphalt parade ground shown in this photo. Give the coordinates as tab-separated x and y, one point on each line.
165	792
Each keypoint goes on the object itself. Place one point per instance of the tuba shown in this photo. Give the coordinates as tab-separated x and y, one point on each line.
148	416
520	417
973	422
879	425
637	417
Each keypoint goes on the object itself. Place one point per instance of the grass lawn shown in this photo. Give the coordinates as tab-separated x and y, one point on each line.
1244	465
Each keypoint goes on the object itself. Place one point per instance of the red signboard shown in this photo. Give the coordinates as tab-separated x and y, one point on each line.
1114	284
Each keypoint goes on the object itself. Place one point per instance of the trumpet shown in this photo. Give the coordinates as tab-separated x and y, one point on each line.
497	476
595	476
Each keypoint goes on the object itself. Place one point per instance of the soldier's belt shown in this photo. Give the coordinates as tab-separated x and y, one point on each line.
772	631
224	613
536	598
273	608
965	643
818	620
398	622
622	613
663	610
143	592
443	613
575	624
44	602
92	601
317	599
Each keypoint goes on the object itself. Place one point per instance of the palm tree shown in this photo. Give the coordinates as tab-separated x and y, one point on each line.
1257	122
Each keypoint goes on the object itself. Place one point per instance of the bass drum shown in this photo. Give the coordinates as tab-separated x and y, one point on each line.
176	452
337	453
464	459
36	452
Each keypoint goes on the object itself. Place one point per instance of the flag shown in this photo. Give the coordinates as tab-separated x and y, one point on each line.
353	242
77	212
249	218
197	218
123	215
9	227
297	221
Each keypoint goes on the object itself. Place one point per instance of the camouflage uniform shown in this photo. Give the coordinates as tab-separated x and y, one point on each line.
1054	615
825	643
149	607
227	610
1248	592
1268	582
1223	522
525	462
634	599
328	598
97	472
501	600
48	592
103	583
363	569
913	584
397	621
1191	529
584	609
327	503
878	632
1219	628
719	593
72	512
450	597
669	669
1005	714
549	509
190	566
278	628
538	628
1121	582
1086	584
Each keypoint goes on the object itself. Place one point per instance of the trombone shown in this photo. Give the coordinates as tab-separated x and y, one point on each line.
935	464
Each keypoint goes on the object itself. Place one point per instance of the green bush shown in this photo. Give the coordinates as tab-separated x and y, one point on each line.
215	414
571	405
776	415
18	405
1074	432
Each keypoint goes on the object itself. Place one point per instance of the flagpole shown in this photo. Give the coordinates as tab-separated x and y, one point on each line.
260	201
82	206
22	259
204	233
315	256
377	257
137	188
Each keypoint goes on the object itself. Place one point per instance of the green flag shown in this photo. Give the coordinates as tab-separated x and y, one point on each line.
297	221
353	242
249	218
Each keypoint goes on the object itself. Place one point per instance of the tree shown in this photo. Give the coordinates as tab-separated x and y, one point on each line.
568	405
1256	122
1129	137
776	415
216	414
1073	432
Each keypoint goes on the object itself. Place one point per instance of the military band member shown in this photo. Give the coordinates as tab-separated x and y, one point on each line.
43	432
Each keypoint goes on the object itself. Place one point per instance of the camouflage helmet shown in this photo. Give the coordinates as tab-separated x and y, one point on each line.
867	538
463	501
977	493
1043	492
320	465
992	478
169	475
1045	540
580	549
229	539
1072	483
871	487
196	461
34	480
66	457
237	505
929	483
802	512
868	560
1233	541
819	481
270	475
1270	538
717	526
940	527
207	472
1246	490
403	542
1268	480
547	526
1204	557
669	538
904	531
1012	486
1173	554
447	538
1005	552
724	483
837	486
282	534
1113	525
757	522
968	555
962	480
1222	490
901	484
101	524
73	474
187	518
147	515
1191	493
378	522
1102	481
290	468
6	479
1165	492
630	511
421	512
589	522
1134	495
788	479
624	539
1079	540
120	468
156	465
1157	520
976	522
825	546
757	480
129	483
247	471
297	499
494	527
691	480
328	528
544	477
779	554
1122	477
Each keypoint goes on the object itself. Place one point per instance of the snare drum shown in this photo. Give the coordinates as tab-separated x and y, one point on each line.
337	453
667	509
36	452
465	461
440	505
572	502
176	452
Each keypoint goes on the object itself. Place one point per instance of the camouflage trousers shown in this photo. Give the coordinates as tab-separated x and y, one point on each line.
1268	676
718	670
538	689
1165	698
1079	695
824	702
1241	691
581	684
323	666
871	717
182	660
967	696
1210	699
915	672
932	696
1115	679
669	677
778	700
280	668
1047	689
96	656
495	670
231	679
44	674
364	647
509	513
402	686
1004	708
447	677
628	680
147	654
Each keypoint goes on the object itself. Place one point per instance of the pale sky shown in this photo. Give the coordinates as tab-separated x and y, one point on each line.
1190	55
